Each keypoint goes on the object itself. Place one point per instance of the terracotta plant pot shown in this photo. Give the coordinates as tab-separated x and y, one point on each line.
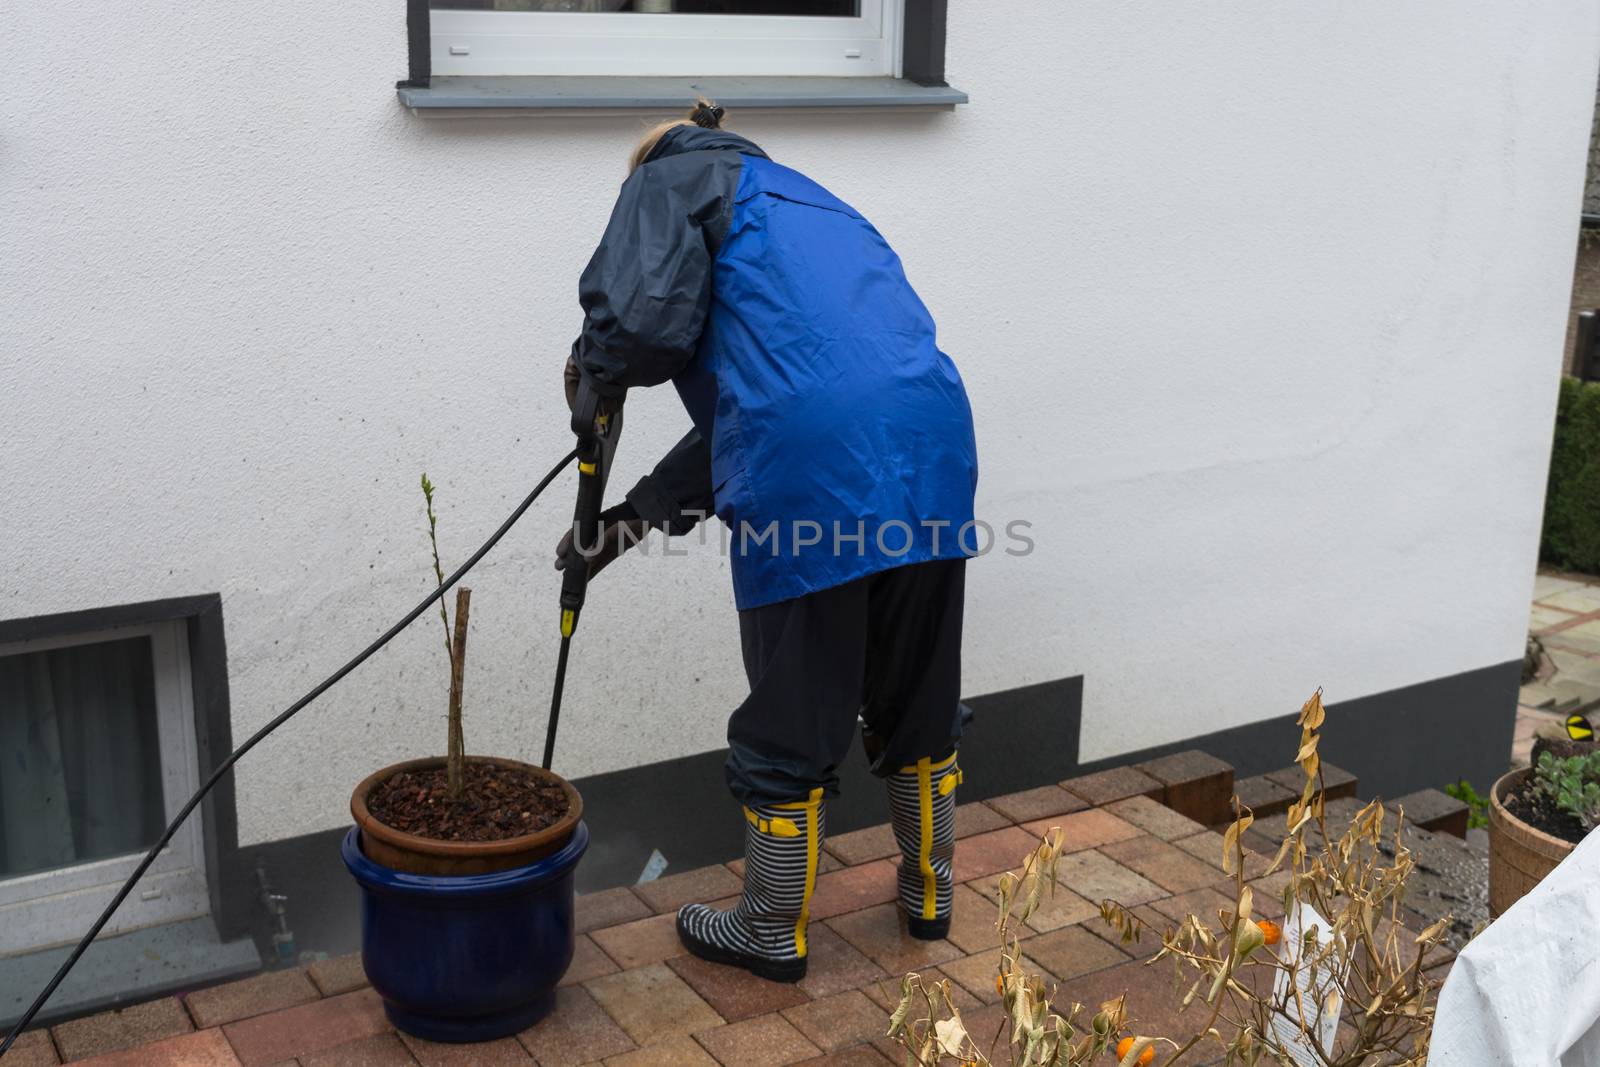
423	855
465	941
1519	855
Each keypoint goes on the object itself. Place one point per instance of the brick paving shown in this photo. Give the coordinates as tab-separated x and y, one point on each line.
633	998
1565	617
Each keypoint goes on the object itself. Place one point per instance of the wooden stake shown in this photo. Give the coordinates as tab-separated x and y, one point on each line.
455	759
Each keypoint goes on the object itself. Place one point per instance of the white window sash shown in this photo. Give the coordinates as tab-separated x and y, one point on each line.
44	908
669	45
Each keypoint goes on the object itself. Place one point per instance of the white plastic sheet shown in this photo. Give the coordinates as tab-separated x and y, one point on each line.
1526	992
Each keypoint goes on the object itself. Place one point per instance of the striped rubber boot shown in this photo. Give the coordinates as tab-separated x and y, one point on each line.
765	933
922	805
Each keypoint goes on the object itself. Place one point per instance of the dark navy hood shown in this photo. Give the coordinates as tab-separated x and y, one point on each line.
681	139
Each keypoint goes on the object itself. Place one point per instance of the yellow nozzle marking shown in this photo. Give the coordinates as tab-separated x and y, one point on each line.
586	468
568	621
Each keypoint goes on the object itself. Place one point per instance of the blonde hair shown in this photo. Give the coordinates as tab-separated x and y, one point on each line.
705	114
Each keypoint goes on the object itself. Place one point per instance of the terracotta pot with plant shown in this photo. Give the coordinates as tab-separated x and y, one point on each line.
1537	816
466	867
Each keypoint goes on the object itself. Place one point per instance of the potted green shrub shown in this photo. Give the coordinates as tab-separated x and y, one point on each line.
465	865
1537	816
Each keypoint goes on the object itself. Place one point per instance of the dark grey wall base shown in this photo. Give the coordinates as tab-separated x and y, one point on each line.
1422	735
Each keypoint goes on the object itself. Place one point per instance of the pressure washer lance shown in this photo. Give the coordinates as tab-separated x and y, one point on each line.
597	442
288	713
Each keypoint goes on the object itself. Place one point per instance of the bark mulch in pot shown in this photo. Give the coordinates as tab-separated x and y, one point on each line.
497	803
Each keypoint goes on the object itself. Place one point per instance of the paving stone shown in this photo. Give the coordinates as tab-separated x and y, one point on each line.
854	888
1170	867
1584	637
1096	877
860	1056
1153	1001
838	1022
1148	940
885	993
1071	951
1581	600
1058	907
1549	584
864	846
678	1052
1118	783
767	1039
1207	848
641	942
588	961
128	1027
268	991
577	1031
1044	802
974	818
1336	781
993	852
1542	617
1197	784
307	1028
699	886
977	973
33	1049
1085	829
1535	695
651	1004
1154	818
972	921
733	992
879	934
1263	796
1205	903
200	1048
380	1050
340	974
1434	810
506	1052
835	964
610	907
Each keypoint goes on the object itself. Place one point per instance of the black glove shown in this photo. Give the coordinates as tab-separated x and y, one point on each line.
620	529
571	377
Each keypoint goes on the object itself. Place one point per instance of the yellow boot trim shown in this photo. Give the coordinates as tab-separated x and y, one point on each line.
948	783
930	891
774	827
941	765
813	847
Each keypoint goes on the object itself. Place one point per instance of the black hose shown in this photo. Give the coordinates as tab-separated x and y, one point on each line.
255	738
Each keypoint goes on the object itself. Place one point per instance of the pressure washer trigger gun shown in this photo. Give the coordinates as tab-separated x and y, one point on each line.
597	435
597	443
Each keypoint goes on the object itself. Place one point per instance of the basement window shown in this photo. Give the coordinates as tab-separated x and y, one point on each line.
100	751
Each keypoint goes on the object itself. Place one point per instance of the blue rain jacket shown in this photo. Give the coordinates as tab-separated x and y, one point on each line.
831	435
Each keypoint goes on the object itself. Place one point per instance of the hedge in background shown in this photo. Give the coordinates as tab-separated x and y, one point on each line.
1572	499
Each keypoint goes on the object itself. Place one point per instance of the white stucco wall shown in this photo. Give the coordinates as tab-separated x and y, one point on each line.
1260	307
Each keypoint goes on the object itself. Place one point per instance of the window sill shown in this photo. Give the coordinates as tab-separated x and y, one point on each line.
482	97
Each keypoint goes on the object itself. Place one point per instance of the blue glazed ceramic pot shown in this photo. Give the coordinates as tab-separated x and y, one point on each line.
467	957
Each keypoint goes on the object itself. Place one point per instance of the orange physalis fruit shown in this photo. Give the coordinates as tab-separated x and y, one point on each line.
1000	984
1270	931
1144	1057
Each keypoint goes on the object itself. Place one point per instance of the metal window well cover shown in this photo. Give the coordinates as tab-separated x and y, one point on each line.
580	93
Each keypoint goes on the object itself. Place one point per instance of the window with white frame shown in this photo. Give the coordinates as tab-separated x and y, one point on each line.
98	735
683	38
